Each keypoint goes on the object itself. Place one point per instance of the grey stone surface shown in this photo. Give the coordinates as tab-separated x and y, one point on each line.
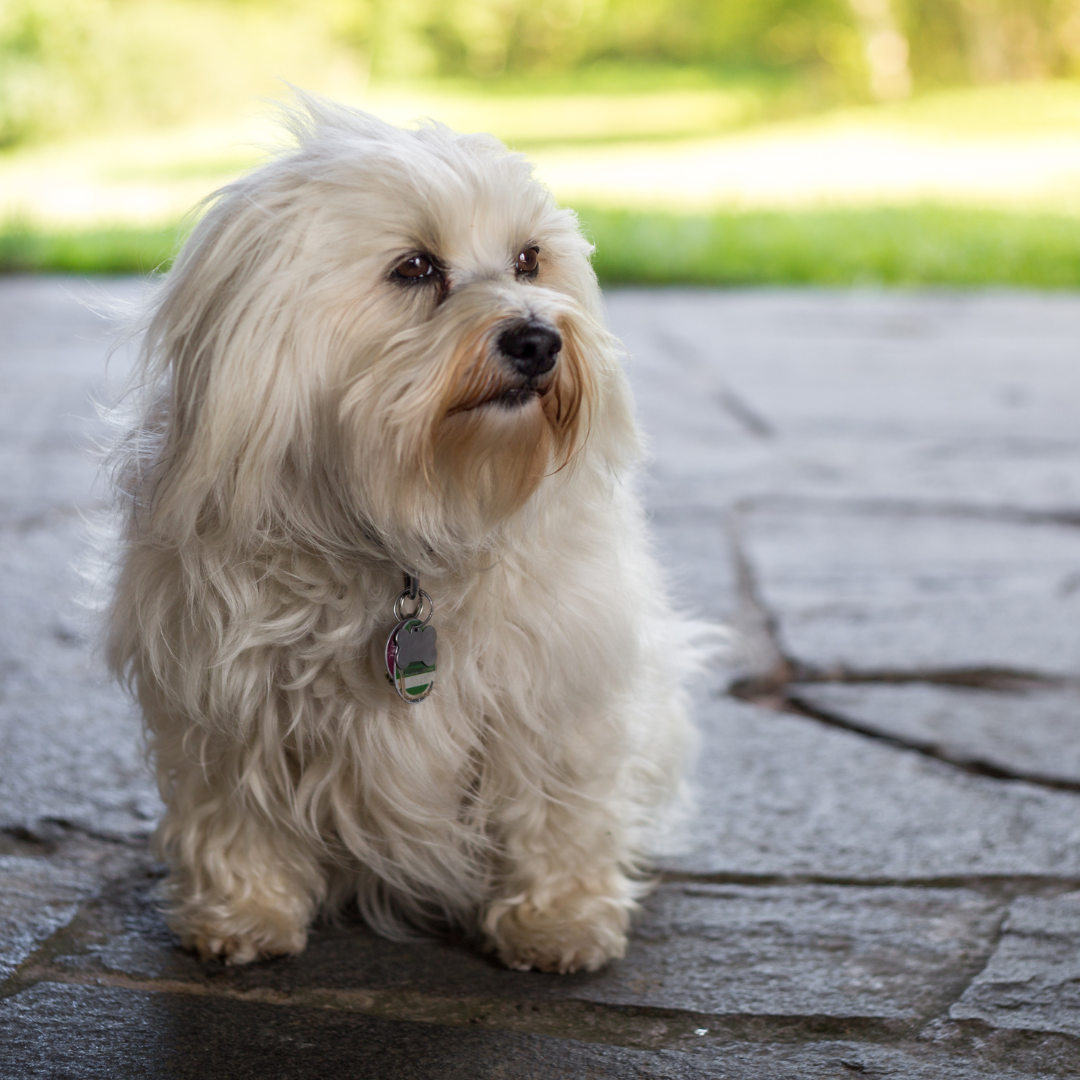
1032	730
49	882
1032	981
903	592
83	1034
53	338
131	1033
902	472
894	955
932	397
112	987
781	794
808	950
69	739
693	545
37	897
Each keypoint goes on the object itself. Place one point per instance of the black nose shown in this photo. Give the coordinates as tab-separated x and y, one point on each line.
531	347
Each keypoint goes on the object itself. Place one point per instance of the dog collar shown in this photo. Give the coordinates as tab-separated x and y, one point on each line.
410	648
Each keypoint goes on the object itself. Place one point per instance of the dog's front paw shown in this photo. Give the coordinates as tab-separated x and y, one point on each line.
570	932
241	940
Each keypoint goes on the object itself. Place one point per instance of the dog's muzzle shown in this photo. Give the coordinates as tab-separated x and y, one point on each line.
530	347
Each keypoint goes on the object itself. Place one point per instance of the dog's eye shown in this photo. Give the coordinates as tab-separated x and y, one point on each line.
528	262
417	267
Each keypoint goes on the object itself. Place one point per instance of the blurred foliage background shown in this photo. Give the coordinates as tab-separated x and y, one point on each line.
67	64
108	111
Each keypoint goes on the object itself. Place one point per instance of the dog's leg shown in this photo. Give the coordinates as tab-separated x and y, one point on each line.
565	902
242	887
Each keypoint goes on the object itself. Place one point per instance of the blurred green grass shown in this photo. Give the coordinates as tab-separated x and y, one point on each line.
25	249
742	143
96	205
904	246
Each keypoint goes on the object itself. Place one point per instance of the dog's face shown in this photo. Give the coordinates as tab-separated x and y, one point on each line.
389	329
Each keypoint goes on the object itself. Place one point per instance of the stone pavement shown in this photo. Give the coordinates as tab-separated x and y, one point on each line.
882	492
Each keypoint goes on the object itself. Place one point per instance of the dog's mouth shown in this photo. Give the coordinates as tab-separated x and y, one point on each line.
514	397
507	398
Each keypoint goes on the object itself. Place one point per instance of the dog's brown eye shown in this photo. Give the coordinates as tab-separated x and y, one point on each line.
528	261
416	267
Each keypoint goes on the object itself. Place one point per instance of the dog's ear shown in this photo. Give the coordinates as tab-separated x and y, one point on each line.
235	367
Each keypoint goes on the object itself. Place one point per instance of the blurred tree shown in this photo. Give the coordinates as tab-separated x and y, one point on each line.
958	41
885	47
36	39
68	63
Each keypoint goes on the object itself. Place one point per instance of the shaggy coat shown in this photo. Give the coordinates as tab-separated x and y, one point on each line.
323	403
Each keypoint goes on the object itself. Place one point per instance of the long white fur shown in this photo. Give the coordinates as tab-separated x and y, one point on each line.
280	476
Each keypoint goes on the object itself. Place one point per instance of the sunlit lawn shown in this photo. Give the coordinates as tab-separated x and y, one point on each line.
915	245
87	250
701	184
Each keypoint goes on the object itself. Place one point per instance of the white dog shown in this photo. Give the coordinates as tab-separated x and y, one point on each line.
380	361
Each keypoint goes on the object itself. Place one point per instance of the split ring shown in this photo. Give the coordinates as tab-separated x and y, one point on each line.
421	600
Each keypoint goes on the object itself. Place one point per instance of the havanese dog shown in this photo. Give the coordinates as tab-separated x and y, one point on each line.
384	591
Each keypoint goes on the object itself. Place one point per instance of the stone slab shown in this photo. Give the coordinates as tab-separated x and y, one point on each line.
77	1032
1035	731
819	408
84	1033
809	951
70	740
1032	981
948	398
783	795
37	898
691	545
54	335
804	950
910	592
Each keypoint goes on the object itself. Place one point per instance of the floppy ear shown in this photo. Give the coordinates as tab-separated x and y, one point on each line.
239	364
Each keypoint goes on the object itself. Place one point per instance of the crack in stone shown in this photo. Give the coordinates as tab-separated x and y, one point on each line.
19	838
1004	680
739	410
24	974
999	929
46	833
1004	887
639	1027
108	866
742	413
969	763
769	670
757	631
632	1026
912	508
1042	1053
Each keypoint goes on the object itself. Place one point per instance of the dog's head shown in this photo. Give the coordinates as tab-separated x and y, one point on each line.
383	333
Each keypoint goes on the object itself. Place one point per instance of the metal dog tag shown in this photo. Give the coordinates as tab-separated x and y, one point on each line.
410	659
410	648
